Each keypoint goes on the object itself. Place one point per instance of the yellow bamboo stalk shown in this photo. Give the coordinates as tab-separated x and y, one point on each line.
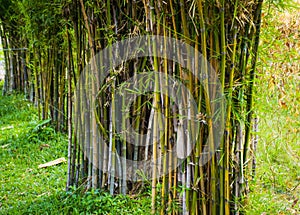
213	184
164	143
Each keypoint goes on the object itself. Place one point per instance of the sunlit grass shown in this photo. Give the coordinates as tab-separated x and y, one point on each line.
276	188
22	149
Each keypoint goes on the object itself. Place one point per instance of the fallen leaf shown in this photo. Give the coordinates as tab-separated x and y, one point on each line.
52	163
4	146
44	146
7	127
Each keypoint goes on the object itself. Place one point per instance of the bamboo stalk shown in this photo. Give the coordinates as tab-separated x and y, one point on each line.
223	169
228	125
164	144
252	77
112	147
124	151
213	206
71	155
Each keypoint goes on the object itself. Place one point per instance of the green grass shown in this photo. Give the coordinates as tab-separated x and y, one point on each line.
276	188
26	142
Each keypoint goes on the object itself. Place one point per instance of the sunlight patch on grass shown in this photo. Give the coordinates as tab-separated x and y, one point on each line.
276	188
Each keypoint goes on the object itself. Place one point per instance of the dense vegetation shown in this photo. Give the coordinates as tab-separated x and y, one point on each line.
61	37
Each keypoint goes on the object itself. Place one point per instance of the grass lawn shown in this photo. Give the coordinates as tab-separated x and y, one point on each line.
276	188
24	144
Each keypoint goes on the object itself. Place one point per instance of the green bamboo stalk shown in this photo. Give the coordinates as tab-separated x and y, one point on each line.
244	49
137	108
71	163
124	151
228	125
112	147
150	7
174	159
223	166
164	144
194	202
155	138
213	184
61	103
199	188
250	92
191	130
93	152
36	85
223	44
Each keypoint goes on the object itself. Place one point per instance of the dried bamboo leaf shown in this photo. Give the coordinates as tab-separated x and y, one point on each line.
53	163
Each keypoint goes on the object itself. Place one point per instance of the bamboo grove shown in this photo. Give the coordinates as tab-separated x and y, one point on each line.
47	45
